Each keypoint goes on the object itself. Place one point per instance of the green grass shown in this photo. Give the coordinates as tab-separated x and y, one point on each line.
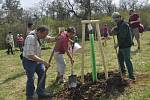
13	79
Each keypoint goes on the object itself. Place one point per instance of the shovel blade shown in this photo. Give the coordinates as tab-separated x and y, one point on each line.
72	81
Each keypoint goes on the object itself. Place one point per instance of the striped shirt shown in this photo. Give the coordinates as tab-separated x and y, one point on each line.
31	45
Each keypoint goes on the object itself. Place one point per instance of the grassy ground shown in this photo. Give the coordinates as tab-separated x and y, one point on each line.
13	79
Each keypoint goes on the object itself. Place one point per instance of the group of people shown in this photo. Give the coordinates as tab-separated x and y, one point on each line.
134	22
33	63
10	42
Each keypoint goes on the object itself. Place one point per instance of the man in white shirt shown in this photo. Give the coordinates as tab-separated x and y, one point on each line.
10	43
32	61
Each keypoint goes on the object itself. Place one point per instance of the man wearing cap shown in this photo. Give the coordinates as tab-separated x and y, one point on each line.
134	21
61	47
124	37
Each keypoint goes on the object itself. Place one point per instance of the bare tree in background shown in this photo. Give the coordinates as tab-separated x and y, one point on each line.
132	4
13	11
79	8
123	4
57	10
43	7
84	8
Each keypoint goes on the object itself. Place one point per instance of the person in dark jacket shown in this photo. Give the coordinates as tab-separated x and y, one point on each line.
124	38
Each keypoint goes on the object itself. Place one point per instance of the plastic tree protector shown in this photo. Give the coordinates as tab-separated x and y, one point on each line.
94	74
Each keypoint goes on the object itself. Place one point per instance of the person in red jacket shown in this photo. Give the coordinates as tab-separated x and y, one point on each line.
20	41
134	21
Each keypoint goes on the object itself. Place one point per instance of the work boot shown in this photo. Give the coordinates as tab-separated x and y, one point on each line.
124	74
45	95
61	79
130	81
57	79
29	98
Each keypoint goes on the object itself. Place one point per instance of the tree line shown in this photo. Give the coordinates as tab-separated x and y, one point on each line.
55	13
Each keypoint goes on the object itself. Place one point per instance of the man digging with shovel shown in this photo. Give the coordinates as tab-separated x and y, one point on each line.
62	47
33	63
124	38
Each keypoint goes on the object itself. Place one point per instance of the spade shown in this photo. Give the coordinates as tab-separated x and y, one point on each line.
72	77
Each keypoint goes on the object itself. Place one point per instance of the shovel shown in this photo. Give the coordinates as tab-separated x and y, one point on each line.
50	59
117	58
44	75
72	77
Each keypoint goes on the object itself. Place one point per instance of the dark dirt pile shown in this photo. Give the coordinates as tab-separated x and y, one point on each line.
114	86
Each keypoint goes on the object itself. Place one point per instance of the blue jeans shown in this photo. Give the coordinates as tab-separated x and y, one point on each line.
124	58
31	67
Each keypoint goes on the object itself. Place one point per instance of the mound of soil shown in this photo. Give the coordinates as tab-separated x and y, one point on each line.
90	90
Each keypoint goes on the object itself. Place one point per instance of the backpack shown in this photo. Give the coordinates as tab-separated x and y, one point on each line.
141	28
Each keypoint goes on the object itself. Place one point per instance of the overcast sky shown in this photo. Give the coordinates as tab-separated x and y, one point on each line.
31	3
28	3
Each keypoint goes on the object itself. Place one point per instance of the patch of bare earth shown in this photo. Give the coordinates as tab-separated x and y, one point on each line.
94	90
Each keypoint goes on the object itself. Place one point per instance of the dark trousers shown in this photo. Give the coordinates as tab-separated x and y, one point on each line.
32	67
9	48
124	58
20	47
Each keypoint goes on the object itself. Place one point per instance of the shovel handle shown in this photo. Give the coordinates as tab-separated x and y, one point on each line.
50	59
117	57
72	58
46	69
51	56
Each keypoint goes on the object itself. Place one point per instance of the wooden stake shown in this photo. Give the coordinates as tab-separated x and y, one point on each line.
100	46
83	41
101	49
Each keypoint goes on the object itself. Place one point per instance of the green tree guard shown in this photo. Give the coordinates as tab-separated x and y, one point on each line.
94	74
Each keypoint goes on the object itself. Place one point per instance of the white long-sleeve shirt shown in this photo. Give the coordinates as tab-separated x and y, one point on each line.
10	39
